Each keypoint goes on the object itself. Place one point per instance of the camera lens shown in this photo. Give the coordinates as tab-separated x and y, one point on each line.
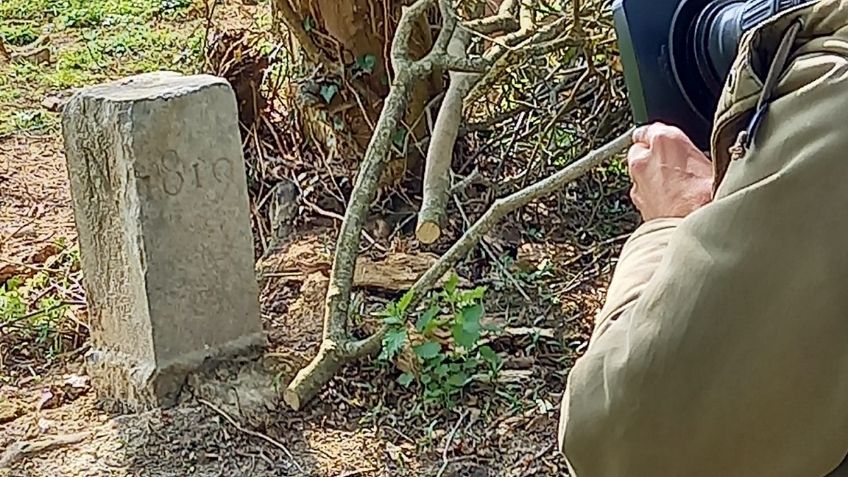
704	40
720	27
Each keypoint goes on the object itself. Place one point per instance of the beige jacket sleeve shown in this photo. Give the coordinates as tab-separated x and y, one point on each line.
640	256
723	348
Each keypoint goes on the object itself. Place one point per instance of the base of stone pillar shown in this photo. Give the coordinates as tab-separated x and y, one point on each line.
126	384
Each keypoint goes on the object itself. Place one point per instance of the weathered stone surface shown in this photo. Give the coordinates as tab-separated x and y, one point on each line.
160	199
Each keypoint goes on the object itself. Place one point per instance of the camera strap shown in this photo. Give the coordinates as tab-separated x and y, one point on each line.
776	68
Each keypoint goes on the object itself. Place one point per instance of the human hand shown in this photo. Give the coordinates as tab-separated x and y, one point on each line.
671	177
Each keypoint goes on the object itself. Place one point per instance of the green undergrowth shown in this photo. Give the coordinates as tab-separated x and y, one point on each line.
447	343
89	42
36	309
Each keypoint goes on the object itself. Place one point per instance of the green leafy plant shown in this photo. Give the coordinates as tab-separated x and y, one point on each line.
18	35
448	347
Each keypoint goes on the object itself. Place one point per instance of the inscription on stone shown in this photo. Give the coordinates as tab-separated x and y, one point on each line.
174	175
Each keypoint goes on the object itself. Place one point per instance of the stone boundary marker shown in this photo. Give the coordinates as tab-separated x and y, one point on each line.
161	206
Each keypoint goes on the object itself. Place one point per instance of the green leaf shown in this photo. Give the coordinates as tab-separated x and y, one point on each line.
426	379
489	355
366	63
392	319
426	319
405	379
465	336
404	302
458	380
450	285
441	370
392	343
398	138
328	91
473	313
475	294
466	330
428	350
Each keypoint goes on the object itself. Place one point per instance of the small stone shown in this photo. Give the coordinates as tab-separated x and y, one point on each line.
53	103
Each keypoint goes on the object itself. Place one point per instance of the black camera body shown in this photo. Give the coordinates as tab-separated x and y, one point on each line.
676	55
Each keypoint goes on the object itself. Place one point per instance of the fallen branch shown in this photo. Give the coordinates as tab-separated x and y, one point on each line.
503	207
337	346
23	449
437	169
436	189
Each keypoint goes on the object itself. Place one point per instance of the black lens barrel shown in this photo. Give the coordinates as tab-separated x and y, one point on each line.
720	27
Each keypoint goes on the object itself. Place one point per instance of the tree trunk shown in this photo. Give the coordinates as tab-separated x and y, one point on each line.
349	77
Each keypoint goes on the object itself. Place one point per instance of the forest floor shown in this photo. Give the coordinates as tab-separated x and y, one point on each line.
364	423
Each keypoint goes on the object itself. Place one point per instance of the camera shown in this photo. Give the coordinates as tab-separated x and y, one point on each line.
676	55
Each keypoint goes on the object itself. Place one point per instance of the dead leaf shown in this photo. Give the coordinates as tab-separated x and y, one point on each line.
10	410
44	253
10	271
49	399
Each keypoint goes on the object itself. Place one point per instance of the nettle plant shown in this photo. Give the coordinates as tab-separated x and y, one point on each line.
445	350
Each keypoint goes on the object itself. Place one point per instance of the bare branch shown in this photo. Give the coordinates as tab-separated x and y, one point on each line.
400	42
492	24
503	58
437	171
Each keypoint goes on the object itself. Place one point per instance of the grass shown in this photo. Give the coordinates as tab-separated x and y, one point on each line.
90	42
35	310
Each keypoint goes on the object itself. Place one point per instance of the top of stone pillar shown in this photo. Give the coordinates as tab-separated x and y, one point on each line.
152	86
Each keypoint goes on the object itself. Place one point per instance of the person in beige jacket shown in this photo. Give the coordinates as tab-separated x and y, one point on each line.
722	347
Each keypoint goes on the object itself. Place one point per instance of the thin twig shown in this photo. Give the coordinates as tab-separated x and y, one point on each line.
491	253
445	460
249	432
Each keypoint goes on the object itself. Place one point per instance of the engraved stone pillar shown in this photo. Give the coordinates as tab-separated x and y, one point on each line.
160	200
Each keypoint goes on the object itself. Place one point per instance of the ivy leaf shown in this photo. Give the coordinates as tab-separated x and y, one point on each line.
328	91
398	138
426	319
392	343
366	63
308	24
428	350
405	379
